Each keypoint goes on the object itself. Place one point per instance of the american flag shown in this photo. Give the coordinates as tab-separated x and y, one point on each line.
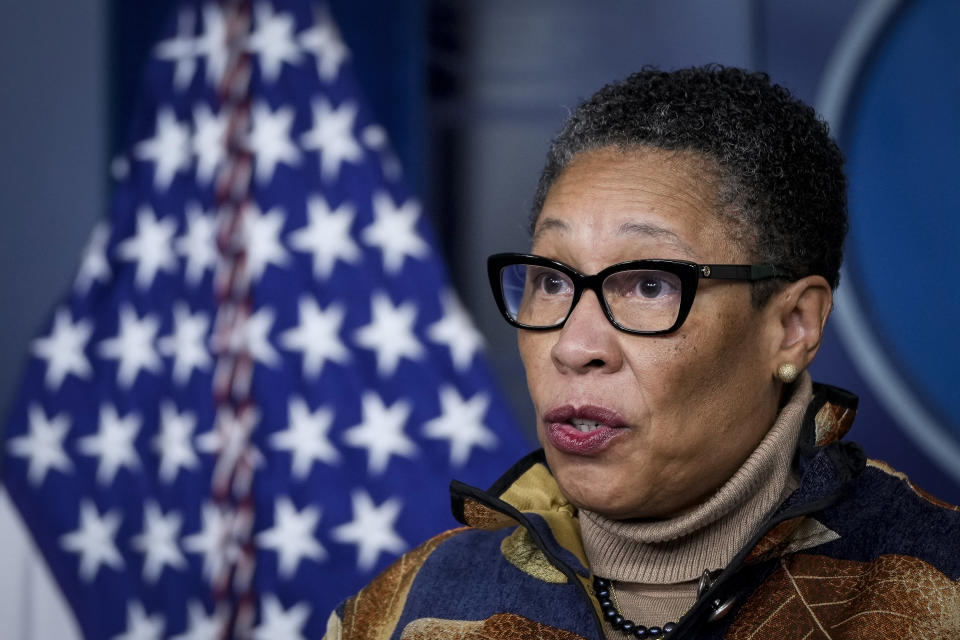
255	393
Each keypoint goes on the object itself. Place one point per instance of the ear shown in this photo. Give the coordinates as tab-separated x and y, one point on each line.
800	312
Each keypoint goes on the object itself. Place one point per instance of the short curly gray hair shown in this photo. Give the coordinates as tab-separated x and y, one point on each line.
780	175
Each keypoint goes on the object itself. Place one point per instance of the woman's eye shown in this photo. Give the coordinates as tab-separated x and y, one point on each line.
552	283
649	285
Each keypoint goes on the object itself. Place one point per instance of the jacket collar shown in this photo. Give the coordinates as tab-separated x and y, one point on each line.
526	495
826	466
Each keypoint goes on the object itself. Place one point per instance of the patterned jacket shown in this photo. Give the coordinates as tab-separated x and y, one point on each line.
855	552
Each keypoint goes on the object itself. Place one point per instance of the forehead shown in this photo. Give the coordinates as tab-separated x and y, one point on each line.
625	203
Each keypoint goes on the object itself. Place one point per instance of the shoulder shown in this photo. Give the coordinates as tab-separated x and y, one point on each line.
885	556
374	611
456	582
884	514
869	508
439	565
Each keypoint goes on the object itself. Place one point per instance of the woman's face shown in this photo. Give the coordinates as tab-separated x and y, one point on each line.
663	420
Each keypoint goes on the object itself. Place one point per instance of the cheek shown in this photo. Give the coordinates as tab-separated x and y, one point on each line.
534	350
666	370
687	381
718	375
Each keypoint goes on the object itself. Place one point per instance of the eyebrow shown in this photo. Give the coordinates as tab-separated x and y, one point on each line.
661	233
627	228
549	224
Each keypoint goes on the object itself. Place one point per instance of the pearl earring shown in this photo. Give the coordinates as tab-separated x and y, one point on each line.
787	372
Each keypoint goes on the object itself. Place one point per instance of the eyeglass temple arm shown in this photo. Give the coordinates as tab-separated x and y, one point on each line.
738	271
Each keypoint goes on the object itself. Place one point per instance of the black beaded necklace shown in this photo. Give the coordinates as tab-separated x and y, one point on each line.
604	592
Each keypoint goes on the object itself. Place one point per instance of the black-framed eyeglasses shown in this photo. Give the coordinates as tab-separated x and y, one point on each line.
644	297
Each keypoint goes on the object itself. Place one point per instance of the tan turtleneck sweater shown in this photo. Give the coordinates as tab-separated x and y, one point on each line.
655	565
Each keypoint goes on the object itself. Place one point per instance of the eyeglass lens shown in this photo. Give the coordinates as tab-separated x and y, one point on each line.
640	299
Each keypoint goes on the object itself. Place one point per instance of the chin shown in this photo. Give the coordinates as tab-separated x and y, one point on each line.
611	510
586	489
628	502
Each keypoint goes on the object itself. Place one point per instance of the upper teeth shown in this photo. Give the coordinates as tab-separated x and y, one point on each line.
583	424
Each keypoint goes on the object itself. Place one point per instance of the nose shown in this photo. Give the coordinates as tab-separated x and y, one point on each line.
587	341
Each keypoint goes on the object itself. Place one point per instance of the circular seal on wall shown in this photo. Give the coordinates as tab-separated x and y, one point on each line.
892	97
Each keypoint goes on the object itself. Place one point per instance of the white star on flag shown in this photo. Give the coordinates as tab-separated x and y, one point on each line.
173	441
461	422
291	536
394	232
212	43
168	149
390	333
261	236
151	248
456	331
324	42
186	345
94	266
113	443
277	623
327	236
256	337
306	437
272	41
249	335
213	541
201	626
132	347
269	139
332	136
381	432
181	49
198	243
141	626
63	349
158	542
209	142
372	529
43	446
93	540
317	336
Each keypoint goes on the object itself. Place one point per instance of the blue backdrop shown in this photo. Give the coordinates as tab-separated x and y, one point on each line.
894	101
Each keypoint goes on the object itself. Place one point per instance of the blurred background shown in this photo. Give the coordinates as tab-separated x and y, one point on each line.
471	93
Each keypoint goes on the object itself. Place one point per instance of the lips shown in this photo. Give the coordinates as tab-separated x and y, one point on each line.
585	430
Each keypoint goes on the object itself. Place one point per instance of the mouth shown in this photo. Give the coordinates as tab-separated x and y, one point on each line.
585	426
585	418
584	430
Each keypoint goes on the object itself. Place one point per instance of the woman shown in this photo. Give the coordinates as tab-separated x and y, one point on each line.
687	237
